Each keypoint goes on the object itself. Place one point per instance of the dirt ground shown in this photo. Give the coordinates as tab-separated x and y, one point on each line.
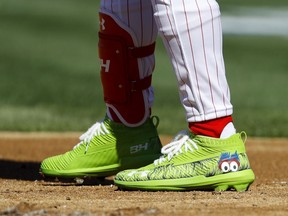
24	192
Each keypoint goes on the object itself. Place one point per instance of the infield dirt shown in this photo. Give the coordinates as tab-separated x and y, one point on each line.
24	192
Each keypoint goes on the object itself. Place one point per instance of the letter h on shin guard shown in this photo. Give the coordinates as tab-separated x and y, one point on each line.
121	82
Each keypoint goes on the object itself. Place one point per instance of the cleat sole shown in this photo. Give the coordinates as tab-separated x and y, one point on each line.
240	181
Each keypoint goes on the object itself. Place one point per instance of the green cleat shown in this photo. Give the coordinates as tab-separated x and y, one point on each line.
105	149
192	162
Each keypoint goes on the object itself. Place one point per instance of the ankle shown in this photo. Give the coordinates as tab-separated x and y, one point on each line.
219	128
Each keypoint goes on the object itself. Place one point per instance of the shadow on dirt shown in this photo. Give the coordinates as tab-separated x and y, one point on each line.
29	171
80	182
19	170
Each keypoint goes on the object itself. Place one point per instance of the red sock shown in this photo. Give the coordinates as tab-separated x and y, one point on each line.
211	128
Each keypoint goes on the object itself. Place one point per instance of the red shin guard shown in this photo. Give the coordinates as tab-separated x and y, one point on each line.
123	87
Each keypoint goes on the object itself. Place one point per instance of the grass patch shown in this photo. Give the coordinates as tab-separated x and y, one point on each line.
257	73
50	81
230	4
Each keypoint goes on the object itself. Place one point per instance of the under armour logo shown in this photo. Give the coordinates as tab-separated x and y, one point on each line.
105	65
102	24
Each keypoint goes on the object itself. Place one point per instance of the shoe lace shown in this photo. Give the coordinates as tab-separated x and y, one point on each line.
175	147
96	129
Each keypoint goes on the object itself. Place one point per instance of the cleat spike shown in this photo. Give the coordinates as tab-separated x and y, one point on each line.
241	187
79	180
221	188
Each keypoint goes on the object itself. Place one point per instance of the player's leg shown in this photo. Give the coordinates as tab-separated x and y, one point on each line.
127	137
191	31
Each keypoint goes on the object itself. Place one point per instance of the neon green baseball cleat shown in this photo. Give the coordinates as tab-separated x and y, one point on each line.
105	149
192	162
